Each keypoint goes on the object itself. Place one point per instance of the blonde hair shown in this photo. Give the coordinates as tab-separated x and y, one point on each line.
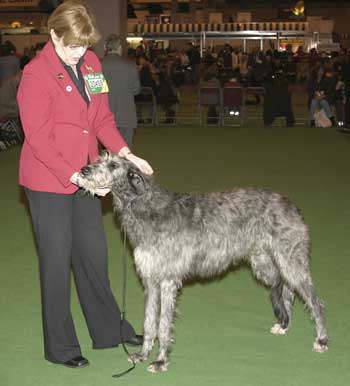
74	22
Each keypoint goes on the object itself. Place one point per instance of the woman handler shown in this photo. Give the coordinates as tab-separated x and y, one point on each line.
64	110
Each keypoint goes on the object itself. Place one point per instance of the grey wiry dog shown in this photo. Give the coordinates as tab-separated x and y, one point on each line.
177	236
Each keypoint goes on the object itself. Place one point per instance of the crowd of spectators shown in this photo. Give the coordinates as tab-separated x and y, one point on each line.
325	78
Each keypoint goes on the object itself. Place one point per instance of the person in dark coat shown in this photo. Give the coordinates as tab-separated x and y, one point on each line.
194	58
278	101
124	83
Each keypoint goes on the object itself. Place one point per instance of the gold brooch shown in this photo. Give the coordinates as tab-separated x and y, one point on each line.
60	76
90	69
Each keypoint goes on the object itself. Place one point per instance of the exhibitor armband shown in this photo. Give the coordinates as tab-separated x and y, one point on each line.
96	83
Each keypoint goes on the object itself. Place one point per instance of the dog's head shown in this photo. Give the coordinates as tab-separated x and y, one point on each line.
122	177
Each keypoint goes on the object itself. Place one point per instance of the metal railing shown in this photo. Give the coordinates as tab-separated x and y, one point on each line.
301	27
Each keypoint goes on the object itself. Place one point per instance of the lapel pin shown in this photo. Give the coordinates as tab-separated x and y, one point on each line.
69	88
90	69
60	76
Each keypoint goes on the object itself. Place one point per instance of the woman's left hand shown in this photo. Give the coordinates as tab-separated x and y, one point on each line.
143	165
77	179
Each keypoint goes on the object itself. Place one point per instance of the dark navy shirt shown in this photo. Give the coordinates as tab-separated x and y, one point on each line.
78	81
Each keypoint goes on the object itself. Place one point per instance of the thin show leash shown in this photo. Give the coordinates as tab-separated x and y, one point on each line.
122	315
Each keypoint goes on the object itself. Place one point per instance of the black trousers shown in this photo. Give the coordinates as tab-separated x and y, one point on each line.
70	235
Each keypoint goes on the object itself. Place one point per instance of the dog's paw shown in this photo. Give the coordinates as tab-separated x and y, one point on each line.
319	347
158	367
277	329
137	357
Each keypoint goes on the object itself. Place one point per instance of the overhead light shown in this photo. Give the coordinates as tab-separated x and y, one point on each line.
299	8
16	24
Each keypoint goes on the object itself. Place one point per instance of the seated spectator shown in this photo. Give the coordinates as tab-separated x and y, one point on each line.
166	97
209	80
9	63
278	101
8	101
12	48
314	81
144	101
10	126
320	102
233	80
233	100
210	99
324	97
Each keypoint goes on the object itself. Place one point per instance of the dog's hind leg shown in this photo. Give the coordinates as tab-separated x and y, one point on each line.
296	273
265	269
150	327
315	305
168	296
282	299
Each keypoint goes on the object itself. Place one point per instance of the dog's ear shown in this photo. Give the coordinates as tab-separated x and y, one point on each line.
136	181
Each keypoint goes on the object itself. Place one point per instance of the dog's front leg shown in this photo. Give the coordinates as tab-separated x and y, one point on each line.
168	293
150	326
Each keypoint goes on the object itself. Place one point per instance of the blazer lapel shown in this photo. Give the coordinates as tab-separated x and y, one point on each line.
61	76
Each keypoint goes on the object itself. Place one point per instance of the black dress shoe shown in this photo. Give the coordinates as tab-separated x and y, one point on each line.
136	340
77	363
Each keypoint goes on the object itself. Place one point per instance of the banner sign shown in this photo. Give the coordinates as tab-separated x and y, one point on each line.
18	3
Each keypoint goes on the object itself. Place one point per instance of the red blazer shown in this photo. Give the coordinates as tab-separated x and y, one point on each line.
61	131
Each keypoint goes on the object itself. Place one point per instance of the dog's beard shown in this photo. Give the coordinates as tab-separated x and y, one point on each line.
94	182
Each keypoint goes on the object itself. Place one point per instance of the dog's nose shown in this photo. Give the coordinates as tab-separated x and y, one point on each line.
85	170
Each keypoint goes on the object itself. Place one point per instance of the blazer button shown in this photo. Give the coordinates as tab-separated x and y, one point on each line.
85	131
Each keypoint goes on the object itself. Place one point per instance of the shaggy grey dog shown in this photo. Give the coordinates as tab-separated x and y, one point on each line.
177	236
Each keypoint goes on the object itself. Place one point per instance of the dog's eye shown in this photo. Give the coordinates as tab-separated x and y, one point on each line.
112	165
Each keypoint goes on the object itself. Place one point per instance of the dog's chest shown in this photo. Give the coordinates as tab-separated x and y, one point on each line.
152	264
147	264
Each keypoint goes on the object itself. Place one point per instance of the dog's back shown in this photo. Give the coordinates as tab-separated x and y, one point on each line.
203	234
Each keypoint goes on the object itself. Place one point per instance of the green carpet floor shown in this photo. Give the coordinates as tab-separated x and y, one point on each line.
222	332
